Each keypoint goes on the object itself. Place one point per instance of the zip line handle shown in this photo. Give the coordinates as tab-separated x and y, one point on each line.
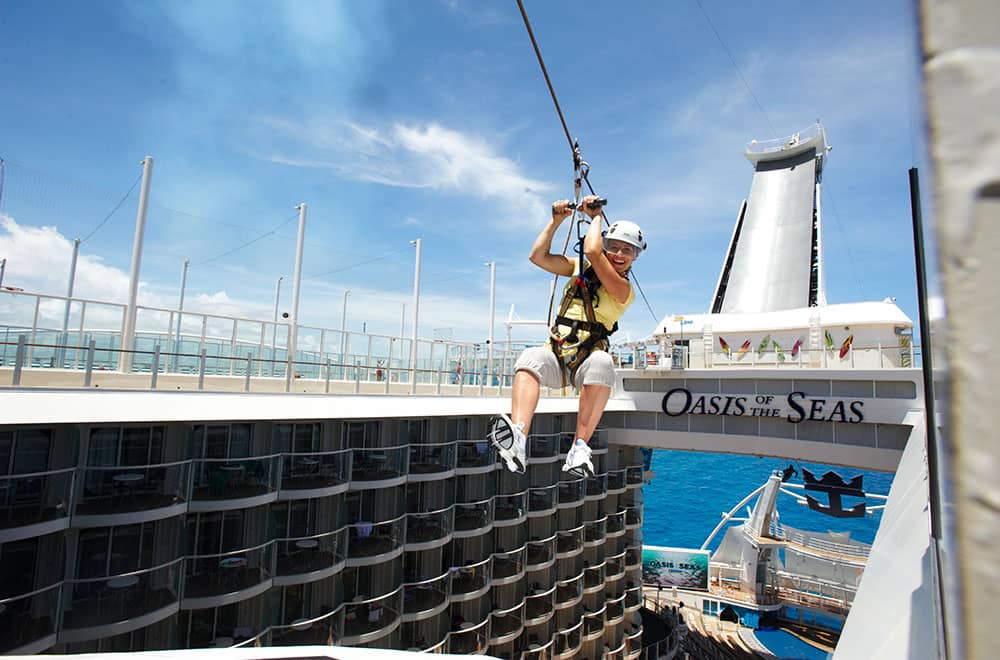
596	204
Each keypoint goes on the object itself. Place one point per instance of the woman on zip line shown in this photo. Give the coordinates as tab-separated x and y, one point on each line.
596	296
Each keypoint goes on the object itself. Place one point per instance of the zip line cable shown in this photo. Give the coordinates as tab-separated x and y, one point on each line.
115	209
732	60
247	244
360	263
575	149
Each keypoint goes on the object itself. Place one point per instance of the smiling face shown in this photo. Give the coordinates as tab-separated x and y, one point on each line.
620	254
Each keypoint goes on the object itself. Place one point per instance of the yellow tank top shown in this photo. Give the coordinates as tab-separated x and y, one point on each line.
607	310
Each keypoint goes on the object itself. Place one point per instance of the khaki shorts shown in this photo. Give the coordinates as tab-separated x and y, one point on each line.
597	369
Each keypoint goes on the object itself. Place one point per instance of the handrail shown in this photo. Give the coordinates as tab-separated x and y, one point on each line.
139	571
29	475
146	466
233	552
54	585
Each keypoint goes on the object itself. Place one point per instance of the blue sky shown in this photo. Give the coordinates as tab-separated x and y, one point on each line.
397	120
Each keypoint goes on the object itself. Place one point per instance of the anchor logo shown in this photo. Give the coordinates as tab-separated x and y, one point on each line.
835	487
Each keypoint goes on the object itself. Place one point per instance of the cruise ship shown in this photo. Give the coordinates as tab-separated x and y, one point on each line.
211	489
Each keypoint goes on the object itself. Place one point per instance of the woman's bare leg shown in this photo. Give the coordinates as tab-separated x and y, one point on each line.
524	399
593	398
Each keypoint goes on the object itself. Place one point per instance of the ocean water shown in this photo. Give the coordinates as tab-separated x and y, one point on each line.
692	490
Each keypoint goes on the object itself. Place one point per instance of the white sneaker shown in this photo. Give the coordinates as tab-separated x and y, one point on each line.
578	461
510	442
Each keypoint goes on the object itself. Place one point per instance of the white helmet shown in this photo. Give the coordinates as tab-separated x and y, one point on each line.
626	232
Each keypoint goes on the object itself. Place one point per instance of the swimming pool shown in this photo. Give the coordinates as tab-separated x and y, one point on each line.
789	647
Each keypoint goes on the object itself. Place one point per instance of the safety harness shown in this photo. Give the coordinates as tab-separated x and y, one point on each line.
574	346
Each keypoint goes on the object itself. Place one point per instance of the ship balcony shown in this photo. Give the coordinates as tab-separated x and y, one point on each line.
633	517
432	461
506	625
616	653
129	494
539	606
322	630
114	604
34	504
425	531
226	578
425	599
633	477
509	510
633	642
599	442
633	598
596	487
614	567
593	625
509	567
221	484
615	610
314	474
378	468
538	650
569	542
571	493
569	592
470	581
475	457
593	532
542	501
633	557
368	619
429	635
615	526
28	621
616	481
473	518
567	642
541	554
372	543
310	558
593	578
469	639
543	448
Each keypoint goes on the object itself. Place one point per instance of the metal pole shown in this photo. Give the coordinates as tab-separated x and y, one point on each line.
69	297
402	333
128	336
274	328
180	309
489	342
294	330
3	269
416	318
343	336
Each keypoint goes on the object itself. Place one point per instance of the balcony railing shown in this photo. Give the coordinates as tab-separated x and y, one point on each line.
568	641
509	509
131	488
430	527
307	554
234	478
29	499
569	541
315	470
427	595
476	455
507	565
505	624
470	578
538	605
368	540
321	630
571	492
542	501
114	599
474	516
430	459
28	618
542	446
469	639
379	464
363	616
541	552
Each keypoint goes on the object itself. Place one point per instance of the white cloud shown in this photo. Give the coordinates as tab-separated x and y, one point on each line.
415	156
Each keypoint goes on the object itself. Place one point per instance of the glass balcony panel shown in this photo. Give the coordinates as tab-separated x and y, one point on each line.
569	591
474	515
541	552
469	639
506	622
593	532
378	464
571	491
508	564
543	499
633	556
312	470
593	624
322	630
431	458
475	455
543	446
106	490
616	480
227	479
426	595
367	539
214	575
570	540
597	485
633	516
113	599
615	609
593	576
28	618
366	615
633	476
614	567
599	440
616	522
427	527
633	597
28	499
538	603
569	640
471	577
566	441
508	507
306	554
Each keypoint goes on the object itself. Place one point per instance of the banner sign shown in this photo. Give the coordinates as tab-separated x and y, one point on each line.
795	407
675	567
